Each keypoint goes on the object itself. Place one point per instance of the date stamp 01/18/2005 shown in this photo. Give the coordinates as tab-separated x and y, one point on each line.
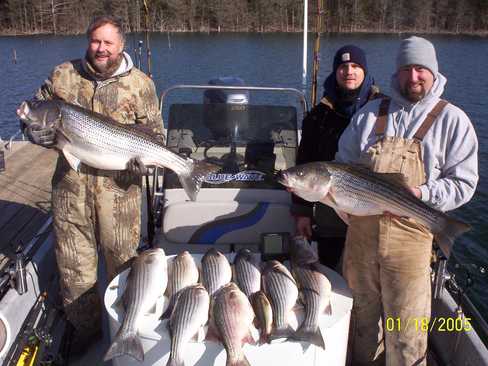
425	324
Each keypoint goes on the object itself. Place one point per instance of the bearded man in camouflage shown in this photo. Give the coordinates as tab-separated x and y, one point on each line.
97	210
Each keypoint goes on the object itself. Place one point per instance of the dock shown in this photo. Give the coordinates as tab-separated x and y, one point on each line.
25	196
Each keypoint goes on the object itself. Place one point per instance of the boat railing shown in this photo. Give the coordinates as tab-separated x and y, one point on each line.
465	306
300	95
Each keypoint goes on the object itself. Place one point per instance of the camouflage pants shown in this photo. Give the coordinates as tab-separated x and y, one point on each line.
387	266
91	215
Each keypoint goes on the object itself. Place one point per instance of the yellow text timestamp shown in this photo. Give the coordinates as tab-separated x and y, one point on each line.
425	324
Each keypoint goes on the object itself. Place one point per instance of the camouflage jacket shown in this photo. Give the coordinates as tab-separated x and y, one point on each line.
128	97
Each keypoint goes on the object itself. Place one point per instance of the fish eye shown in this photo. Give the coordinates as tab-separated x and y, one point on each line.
300	173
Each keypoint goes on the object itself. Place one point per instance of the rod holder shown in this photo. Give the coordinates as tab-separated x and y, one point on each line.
20	273
2	160
440	276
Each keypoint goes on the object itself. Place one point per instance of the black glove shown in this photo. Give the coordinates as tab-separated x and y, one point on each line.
45	137
137	167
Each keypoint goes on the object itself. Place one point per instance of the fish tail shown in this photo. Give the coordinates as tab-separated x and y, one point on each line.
452	228
126	344
328	309
241	360
312	336
193	180
169	309
263	337
174	361
282	333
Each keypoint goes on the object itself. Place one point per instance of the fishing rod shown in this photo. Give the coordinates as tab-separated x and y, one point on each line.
148	48
305	44
21	352
316	52
150	214
2	156
36	344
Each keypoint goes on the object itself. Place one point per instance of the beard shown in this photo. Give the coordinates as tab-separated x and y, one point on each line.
412	96
106	69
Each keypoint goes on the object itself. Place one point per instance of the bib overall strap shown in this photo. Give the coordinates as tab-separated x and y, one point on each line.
430	119
380	126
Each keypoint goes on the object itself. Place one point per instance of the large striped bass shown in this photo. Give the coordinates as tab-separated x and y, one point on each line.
182	272
264	315
301	252
231	318
281	290
358	191
146	282
102	143
315	291
216	271
247	271
188	318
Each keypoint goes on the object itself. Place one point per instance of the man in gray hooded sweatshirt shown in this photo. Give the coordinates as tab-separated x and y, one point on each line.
387	258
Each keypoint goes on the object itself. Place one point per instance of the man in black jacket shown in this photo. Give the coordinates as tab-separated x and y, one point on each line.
346	90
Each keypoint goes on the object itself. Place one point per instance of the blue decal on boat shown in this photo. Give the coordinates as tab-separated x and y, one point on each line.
244	176
211	232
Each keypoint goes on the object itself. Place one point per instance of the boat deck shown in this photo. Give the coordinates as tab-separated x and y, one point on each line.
25	195
25	203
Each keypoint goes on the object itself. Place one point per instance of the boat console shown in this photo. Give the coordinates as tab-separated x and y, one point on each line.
241	204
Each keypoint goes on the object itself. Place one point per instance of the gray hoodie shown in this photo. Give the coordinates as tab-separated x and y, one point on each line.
449	148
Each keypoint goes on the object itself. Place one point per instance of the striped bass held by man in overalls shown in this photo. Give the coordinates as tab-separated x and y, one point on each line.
432	143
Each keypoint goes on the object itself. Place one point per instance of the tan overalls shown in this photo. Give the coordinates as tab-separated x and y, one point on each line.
387	262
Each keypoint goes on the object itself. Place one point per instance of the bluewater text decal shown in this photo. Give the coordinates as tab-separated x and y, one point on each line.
244	176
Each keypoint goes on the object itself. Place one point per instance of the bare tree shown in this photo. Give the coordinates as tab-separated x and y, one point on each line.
72	16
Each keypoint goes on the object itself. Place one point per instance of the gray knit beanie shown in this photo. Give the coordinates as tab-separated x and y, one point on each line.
417	51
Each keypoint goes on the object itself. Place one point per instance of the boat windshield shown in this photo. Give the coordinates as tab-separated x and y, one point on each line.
249	142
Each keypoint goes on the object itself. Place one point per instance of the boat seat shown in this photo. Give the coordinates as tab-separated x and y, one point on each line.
232	222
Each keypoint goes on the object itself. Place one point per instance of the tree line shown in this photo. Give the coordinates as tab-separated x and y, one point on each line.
383	16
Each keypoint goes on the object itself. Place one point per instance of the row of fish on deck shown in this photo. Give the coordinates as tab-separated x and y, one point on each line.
247	302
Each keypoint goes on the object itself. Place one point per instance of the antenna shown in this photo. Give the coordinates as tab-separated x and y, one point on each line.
305	39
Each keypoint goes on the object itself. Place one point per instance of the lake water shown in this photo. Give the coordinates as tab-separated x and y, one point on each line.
275	60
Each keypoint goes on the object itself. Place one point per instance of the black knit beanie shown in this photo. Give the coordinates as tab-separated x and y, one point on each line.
350	53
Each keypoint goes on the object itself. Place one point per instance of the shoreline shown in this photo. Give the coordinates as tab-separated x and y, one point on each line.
480	34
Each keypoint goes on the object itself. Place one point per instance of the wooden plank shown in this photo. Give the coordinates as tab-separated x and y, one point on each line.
27	178
26	155
25	194
22	192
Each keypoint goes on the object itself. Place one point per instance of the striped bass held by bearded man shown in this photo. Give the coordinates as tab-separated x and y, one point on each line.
102	113
433	144
401	163
100	142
